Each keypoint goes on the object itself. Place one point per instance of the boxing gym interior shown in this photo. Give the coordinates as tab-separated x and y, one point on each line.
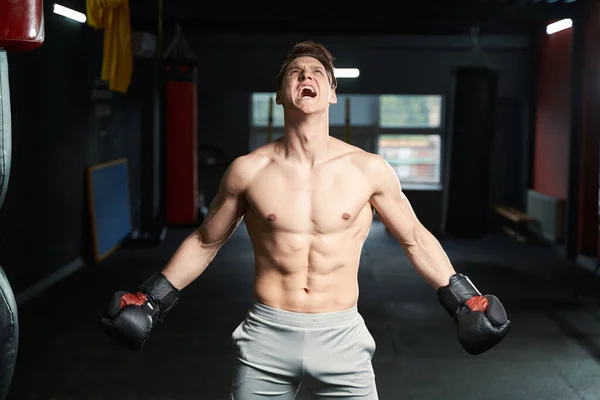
119	119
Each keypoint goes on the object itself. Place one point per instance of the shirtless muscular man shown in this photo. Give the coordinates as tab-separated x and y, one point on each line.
308	201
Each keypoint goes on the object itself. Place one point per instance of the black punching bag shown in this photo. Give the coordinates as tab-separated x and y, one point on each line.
9	318
469	152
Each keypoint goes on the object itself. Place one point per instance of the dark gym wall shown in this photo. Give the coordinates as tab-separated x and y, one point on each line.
223	122
43	224
233	66
553	124
553	118
419	64
590	136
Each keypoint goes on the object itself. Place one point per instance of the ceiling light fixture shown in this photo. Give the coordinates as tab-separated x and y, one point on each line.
559	26
68	13
346	72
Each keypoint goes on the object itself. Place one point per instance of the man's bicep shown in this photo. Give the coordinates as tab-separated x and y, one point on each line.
392	205
224	215
226	210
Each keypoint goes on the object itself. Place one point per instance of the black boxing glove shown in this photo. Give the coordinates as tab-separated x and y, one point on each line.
481	321
129	318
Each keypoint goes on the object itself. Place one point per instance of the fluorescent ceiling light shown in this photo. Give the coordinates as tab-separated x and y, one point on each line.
559	26
71	14
346	72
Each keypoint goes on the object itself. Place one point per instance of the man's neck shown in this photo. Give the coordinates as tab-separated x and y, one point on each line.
306	140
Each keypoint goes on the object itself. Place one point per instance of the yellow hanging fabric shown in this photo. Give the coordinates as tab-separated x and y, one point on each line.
117	60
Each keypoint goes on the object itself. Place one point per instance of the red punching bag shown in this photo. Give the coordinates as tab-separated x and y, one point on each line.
181	119
21	24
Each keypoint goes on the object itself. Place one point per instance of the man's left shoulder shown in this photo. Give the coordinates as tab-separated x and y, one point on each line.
367	162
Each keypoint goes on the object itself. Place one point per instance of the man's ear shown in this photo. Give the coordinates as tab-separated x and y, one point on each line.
333	97
278	98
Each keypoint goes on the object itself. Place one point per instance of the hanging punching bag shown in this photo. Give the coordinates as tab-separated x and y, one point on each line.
470	151
21	29
181	119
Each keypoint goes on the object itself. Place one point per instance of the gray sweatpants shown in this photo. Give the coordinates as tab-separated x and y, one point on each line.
278	350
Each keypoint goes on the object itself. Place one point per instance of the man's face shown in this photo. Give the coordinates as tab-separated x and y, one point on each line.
306	87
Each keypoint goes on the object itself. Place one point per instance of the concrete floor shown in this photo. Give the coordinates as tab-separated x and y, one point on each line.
552	352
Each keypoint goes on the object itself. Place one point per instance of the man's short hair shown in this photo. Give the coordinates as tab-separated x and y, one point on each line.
308	49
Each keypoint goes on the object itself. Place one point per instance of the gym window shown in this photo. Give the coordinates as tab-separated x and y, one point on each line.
260	110
410	138
415	158
410	111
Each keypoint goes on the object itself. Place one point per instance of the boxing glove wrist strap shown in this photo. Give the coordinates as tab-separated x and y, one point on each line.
456	293
161	293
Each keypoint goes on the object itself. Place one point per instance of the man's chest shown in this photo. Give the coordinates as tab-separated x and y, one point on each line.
325	201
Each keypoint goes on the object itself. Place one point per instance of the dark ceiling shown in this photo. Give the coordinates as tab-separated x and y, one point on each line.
347	17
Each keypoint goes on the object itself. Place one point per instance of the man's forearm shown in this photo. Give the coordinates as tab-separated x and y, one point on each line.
189	261
429	258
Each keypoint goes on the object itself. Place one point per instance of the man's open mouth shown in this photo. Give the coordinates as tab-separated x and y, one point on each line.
307	92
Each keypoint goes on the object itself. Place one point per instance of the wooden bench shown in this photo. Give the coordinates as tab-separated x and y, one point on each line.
520	222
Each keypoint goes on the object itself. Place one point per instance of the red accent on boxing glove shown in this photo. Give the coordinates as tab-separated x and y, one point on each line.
131	299
477	303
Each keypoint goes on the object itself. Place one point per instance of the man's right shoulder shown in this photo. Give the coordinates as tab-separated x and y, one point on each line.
244	169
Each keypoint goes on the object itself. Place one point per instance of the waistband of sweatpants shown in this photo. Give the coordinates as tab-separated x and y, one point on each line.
328	319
